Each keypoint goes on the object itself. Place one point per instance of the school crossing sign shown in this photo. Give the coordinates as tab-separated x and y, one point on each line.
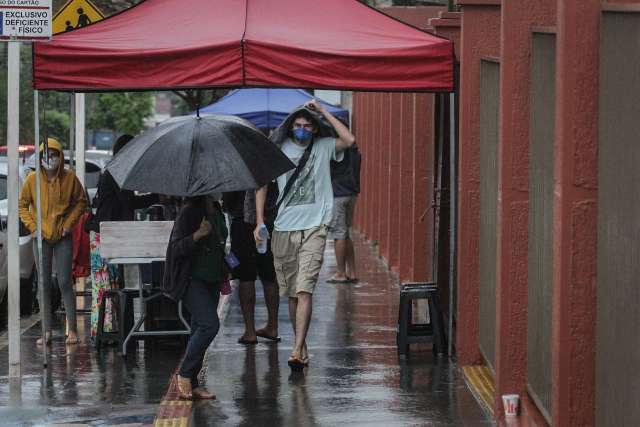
25	19
76	14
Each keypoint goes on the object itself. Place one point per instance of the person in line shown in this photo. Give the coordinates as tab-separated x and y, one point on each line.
62	201
345	179
240	206
194	271
111	204
303	211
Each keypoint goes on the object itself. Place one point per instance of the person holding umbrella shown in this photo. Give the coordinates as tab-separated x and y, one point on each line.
303	211
194	271
196	157
63	202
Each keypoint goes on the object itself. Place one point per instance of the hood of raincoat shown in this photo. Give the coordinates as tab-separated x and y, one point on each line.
53	144
283	132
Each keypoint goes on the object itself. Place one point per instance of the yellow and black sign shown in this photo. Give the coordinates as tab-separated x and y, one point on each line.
75	14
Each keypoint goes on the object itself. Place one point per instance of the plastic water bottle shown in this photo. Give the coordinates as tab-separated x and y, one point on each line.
261	246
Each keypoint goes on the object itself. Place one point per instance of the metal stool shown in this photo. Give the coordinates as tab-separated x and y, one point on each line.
409	333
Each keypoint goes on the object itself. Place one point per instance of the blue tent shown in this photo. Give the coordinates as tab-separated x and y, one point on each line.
267	108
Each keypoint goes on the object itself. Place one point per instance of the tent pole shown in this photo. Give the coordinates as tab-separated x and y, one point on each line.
80	145
45	327
453	207
72	131
13	184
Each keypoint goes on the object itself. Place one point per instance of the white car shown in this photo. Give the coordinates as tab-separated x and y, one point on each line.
28	276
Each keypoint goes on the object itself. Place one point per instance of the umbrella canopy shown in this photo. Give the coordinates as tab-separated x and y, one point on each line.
172	44
267	108
193	156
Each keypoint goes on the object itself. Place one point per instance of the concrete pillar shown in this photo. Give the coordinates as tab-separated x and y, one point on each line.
384	173
513	194
405	266
480	37
422	134
396	211
575	213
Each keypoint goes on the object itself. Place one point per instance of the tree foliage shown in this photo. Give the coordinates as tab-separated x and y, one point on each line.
119	112
192	99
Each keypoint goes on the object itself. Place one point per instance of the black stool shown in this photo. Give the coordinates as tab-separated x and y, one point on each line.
123	315
409	333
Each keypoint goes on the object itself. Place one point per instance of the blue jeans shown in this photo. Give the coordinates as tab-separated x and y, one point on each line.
201	299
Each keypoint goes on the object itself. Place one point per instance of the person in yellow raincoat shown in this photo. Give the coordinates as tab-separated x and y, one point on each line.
63	202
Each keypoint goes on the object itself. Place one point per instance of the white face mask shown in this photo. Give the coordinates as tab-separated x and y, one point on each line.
53	164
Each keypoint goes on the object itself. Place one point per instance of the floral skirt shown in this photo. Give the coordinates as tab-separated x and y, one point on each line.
103	277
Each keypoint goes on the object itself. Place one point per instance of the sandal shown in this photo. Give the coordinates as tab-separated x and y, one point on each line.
184	388
334	280
48	336
202	393
296	365
304	356
262	334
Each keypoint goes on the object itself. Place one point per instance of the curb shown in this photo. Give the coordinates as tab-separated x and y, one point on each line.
173	412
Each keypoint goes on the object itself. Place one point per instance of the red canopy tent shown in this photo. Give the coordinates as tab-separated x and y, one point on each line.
173	44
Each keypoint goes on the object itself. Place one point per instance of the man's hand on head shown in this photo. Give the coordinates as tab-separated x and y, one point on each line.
314	105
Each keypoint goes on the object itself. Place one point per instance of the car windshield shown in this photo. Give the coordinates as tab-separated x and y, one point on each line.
3	187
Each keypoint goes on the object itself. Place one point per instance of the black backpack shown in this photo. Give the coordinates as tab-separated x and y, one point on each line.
345	175
102	204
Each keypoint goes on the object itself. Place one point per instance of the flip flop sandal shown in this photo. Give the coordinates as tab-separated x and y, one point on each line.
332	280
247	342
184	389
295	364
269	337
202	393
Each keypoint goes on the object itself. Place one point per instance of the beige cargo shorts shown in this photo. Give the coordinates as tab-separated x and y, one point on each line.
297	257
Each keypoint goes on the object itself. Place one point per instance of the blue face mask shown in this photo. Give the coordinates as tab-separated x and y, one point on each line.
302	134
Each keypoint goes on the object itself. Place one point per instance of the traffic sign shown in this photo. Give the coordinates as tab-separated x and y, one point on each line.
25	19
76	14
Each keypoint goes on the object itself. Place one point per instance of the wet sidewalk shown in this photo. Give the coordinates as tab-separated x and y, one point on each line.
83	386
355	376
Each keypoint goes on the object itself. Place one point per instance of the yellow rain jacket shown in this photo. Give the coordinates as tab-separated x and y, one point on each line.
62	200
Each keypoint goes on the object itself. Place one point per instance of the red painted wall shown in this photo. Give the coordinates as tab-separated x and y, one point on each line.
395	135
513	193
395	132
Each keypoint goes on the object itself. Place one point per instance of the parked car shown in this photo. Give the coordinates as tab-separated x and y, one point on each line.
28	276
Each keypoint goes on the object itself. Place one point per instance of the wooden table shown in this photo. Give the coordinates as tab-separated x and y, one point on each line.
136	243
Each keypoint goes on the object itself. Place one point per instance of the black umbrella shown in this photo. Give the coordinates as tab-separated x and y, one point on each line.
193	156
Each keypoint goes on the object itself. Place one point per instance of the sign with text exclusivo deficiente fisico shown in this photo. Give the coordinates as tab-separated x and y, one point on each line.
25	20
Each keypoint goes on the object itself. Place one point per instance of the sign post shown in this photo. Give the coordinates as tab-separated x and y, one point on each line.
20	20
13	248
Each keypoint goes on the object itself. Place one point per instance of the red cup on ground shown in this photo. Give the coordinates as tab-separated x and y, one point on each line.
511	402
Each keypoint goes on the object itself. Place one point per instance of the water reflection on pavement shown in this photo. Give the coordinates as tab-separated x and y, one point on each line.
355	376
